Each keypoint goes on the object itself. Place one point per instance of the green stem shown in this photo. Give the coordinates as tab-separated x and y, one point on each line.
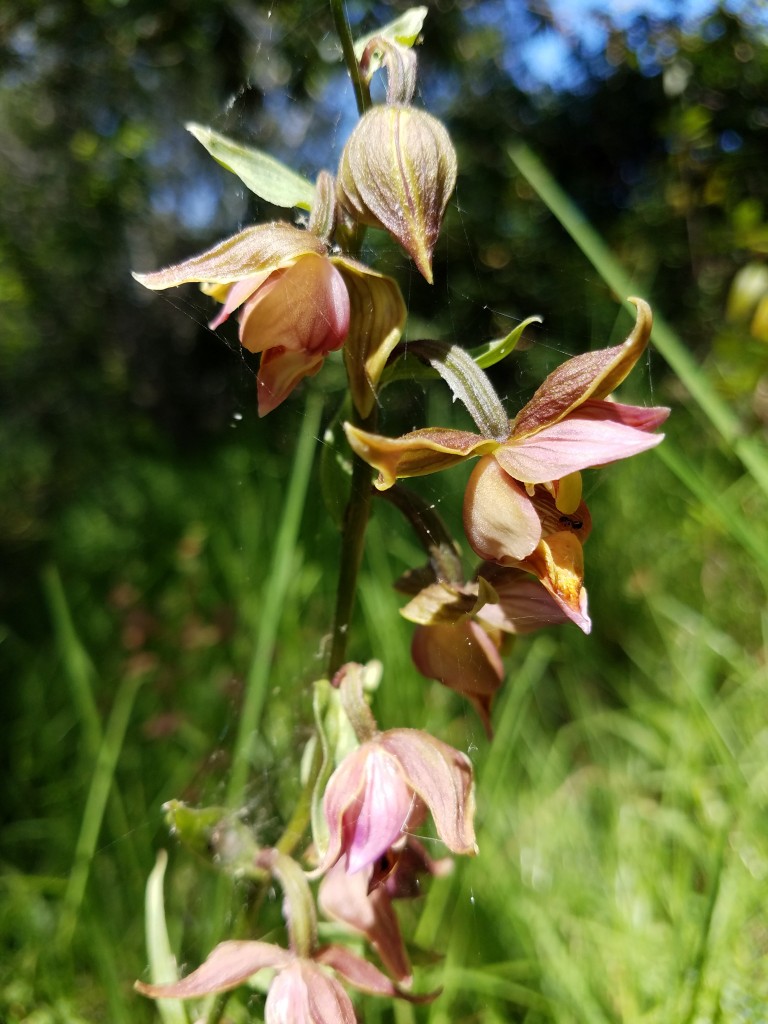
352	543
362	93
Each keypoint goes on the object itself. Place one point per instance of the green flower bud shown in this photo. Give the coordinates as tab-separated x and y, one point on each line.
397	172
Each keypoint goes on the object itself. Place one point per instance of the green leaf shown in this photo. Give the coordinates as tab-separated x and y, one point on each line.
404	30
493	352
162	963
261	173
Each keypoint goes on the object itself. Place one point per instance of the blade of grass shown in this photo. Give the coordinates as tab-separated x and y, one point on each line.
275	591
93	815
668	343
78	668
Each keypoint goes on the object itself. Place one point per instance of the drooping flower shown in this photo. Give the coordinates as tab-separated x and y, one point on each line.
462	628
295	305
302	992
363	900
507	525
383	789
567	426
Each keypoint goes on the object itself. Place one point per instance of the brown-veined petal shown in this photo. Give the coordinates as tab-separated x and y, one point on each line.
377	318
417	453
397	171
260	247
524	604
589	375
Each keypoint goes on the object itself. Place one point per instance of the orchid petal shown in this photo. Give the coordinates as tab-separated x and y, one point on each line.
524	603
570	445
558	561
445	602
589	375
377	319
305	994
359	973
235	295
304	307
499	519
345	897
417	453
261	247
279	373
367	805
226	967
442	777
463	657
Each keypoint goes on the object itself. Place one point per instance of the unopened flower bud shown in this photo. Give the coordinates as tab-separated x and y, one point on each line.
397	172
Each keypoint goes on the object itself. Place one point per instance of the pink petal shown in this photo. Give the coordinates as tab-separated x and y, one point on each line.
642	417
227	966
442	777
499	519
345	897
577	442
367	805
304	994
356	971
279	373
524	603
238	294
302	308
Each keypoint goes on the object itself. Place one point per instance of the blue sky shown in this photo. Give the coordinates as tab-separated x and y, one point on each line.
542	56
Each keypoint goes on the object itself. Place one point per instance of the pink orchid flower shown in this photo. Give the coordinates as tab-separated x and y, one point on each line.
382	790
567	426
302	991
363	900
295	305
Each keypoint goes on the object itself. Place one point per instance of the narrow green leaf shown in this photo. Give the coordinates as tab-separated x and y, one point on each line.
404	30
750	451
261	173
163	969
493	352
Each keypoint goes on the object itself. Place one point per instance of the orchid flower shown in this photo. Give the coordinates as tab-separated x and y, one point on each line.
363	901
295	305
530	480
383	789
302	990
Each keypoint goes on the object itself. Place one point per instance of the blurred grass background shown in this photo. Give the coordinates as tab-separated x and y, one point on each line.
145	594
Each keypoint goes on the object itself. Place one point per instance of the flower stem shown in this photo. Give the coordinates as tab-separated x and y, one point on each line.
352	544
362	93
